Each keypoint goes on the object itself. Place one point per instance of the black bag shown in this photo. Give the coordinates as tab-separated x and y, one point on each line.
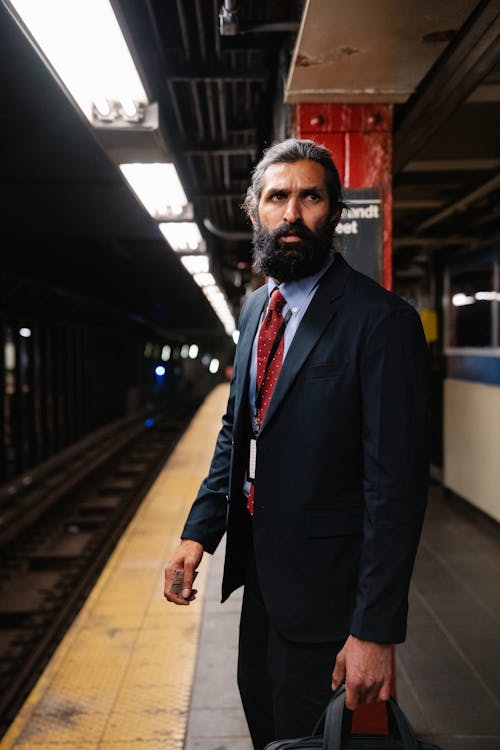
402	736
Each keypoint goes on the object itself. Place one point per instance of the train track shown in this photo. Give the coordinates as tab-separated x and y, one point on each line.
48	567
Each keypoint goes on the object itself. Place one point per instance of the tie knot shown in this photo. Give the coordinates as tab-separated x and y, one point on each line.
276	301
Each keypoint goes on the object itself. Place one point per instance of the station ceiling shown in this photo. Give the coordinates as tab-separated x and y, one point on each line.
69	219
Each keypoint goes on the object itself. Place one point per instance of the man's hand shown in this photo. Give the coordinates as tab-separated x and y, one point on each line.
366	668
186	557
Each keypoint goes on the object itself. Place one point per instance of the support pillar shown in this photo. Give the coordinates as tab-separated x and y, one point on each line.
359	137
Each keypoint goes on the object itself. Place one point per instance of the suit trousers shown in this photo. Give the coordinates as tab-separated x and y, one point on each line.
284	685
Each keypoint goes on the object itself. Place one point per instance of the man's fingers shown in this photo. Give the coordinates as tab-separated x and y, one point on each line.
352	697
175	578
368	671
385	691
180	572
192	595
187	584
176	599
358	693
371	693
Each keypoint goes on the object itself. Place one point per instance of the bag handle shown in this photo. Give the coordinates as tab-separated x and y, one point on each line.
332	737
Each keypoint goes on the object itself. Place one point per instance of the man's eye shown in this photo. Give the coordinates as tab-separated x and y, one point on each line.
278	196
313	196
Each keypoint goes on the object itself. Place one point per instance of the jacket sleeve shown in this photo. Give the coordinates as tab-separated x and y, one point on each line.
206	522
395	392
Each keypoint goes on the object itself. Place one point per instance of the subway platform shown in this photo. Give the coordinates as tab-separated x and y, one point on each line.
134	672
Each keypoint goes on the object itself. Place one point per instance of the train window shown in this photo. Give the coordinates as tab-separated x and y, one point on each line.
472	305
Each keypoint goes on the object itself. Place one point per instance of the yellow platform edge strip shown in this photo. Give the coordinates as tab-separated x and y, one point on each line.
121	677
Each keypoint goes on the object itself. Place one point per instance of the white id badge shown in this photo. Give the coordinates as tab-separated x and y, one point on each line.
252	459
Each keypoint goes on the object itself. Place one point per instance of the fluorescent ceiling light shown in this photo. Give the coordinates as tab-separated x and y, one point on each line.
195	263
9	356
461	299
212	293
204	279
84	44
158	188
214	366
182	236
487	296
193	351
220	306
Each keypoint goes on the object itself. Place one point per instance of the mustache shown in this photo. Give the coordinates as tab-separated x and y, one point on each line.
292	228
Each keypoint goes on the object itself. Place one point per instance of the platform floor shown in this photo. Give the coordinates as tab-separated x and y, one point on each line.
122	676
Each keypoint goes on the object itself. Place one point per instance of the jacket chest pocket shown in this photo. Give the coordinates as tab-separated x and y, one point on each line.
327	370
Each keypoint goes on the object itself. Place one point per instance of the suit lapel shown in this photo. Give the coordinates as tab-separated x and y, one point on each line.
318	315
246	343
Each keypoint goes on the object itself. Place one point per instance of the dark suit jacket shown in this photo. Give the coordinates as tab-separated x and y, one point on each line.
342	466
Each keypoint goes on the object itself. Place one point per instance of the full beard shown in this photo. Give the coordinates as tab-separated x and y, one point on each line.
289	261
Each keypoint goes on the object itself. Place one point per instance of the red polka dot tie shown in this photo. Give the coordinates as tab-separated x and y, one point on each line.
266	378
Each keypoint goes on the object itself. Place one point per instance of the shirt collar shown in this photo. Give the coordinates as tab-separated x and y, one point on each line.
296	292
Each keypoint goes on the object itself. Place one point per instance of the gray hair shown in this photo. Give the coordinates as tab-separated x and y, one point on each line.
290	151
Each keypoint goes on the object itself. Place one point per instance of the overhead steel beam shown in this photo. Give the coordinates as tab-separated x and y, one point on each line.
452	79
225	75
431	242
227	234
221	150
184	29
415	204
220	195
462	204
453	165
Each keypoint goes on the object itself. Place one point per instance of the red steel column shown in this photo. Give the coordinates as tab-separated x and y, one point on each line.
359	137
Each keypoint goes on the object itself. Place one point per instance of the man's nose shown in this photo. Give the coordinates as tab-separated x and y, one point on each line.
292	211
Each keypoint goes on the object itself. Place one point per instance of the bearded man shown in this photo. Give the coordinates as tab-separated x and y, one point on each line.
319	476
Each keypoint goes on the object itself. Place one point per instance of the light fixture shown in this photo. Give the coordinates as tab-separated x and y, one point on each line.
84	44
158	187
204	279
193	351
160	371
183	236
213	293
195	263
25	332
461	299
487	296
213	367
220	306
236	336
166	352
185	351
9	356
